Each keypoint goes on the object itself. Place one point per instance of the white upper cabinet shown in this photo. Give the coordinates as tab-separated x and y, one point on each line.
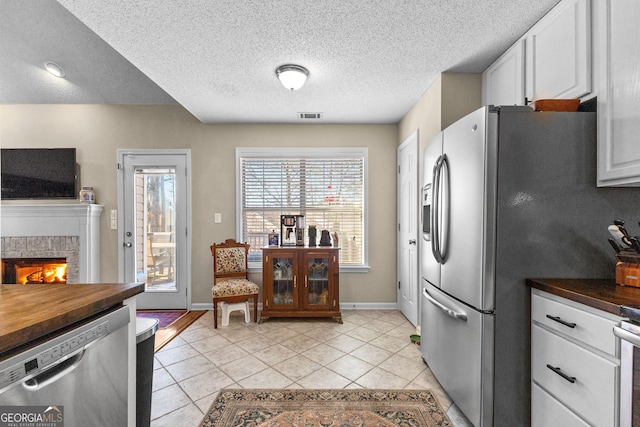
503	81
618	57
558	53
552	60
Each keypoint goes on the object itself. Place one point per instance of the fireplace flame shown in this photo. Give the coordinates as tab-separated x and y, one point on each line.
48	273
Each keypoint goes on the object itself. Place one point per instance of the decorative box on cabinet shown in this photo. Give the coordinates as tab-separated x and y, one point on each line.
300	282
618	67
575	363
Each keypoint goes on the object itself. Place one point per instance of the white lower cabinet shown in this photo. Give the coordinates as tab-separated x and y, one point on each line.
575	365
547	411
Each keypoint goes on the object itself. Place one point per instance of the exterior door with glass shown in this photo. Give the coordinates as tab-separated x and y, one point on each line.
154	217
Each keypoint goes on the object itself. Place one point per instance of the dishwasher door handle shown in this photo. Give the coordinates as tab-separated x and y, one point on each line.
627	336
54	374
443	308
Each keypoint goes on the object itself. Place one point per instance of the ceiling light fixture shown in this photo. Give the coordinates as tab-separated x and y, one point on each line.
54	69
292	76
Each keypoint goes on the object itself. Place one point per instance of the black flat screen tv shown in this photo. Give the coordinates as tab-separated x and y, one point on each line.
38	173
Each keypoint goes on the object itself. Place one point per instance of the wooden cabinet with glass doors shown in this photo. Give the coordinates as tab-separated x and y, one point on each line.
300	282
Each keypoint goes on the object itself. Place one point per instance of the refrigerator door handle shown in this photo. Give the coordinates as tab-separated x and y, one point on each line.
443	308
435	208
440	213
446	206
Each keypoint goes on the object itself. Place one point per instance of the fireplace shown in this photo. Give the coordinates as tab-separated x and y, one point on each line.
69	232
27	271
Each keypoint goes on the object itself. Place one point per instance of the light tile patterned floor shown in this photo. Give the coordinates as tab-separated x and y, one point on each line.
371	349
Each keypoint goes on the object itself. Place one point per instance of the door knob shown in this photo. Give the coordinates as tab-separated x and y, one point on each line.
412	241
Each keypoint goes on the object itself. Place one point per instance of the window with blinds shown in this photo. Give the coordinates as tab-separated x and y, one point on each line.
327	186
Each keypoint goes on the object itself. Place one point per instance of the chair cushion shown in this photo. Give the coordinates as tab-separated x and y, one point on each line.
230	260
234	286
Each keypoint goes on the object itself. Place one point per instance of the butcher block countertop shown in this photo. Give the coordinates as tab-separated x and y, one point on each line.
30	312
602	294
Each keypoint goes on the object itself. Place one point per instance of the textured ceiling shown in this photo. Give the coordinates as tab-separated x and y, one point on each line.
369	61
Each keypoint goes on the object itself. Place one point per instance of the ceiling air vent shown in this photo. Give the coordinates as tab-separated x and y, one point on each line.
311	116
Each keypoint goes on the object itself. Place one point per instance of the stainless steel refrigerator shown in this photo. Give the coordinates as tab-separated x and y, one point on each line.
508	194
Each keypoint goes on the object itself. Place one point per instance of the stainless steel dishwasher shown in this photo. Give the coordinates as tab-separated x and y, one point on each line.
82	372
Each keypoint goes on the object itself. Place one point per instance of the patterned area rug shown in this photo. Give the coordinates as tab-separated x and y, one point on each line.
165	317
325	408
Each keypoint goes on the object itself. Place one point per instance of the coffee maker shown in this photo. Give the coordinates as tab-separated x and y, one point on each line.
292	230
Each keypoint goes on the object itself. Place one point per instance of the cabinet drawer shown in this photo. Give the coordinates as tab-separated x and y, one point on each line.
546	411
589	328
593	390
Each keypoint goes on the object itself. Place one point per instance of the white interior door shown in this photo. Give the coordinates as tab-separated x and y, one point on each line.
408	195
154	220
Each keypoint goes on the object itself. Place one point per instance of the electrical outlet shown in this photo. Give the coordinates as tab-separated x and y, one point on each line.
217	218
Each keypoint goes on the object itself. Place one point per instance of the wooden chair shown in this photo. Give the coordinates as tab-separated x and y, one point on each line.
231	282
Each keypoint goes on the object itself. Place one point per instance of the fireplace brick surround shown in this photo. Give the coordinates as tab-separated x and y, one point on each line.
70	231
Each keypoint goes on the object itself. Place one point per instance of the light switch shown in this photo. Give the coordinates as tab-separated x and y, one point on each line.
114	219
217	218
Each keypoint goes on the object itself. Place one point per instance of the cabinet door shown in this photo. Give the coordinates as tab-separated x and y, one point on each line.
318	292
503	81
619	94
558	53
281	280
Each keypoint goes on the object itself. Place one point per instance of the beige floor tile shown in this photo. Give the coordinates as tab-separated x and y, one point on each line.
167	400
197	334
323	354
210	343
205	403
188	415
224	355
236	333
350	367
379	326
363	333
345	343
176	342
390	343
174	355
296	367
324	378
161	379
269	378
371	349
252	345
371	354
188	368
300	343
403	366
243	367
274	354
205	383
379	378
279	334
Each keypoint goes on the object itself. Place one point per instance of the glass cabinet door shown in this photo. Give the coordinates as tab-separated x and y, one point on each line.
284	281
317	281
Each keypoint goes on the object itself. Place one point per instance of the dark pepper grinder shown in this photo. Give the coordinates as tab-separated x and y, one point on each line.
312	236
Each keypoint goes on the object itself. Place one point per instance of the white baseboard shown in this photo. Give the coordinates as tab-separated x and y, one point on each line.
343	306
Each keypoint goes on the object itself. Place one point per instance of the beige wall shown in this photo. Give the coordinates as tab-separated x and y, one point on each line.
98	130
450	97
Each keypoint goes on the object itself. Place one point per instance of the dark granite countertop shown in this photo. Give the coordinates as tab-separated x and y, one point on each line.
603	294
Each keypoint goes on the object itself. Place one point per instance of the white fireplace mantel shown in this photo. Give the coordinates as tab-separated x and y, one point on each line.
82	220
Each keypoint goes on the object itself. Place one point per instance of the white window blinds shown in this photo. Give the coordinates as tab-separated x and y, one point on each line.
324	185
